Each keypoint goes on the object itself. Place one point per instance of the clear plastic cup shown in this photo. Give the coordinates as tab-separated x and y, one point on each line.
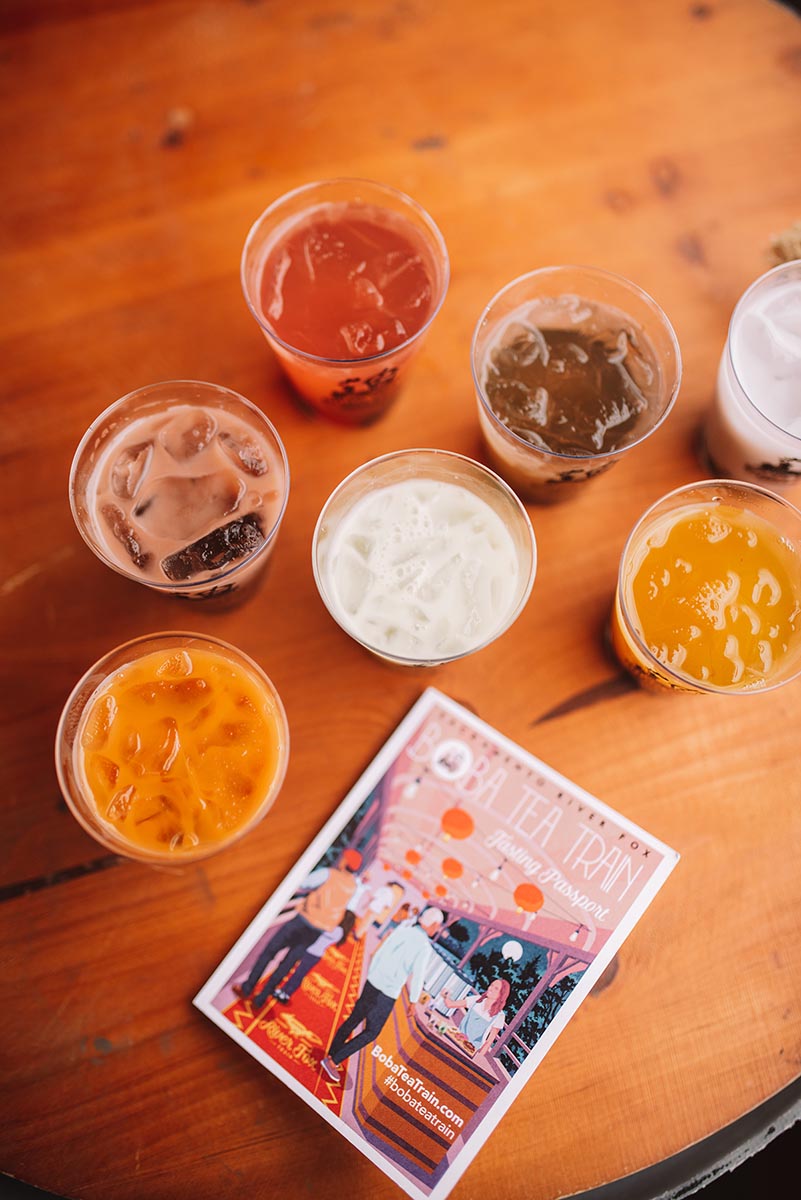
424	556
731	609
218	509
348	387
80	751
587	301
752	430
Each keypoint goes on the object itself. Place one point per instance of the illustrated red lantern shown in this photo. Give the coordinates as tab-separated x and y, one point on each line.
456	823
387	866
452	868
406	874
351	859
426	895
441	890
528	898
412	857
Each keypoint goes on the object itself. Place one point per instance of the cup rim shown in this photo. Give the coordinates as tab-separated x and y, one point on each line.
321	359
118	845
738	313
599	273
448	455
689	682
184	586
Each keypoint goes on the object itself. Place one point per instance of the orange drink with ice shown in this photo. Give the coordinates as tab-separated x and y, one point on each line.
172	747
709	591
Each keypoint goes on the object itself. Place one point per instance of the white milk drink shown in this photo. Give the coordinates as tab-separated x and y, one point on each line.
753	429
422	569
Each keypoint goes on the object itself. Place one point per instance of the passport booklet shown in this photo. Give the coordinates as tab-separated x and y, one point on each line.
427	949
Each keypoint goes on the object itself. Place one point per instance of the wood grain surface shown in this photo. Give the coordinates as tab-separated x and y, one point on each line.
140	141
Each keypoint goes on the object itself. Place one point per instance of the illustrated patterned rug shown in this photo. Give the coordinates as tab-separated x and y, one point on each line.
297	1034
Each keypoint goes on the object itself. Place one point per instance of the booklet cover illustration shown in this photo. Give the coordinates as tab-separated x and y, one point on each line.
425	952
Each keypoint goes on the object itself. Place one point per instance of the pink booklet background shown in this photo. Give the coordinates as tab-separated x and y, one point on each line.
425	952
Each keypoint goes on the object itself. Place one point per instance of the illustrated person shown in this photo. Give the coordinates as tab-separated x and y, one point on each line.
378	905
403	956
398	917
329	892
483	1017
405	915
309	958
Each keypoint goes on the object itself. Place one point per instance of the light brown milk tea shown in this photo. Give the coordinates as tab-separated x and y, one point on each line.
185	493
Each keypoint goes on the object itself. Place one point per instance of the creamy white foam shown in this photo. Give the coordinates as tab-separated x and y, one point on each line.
422	569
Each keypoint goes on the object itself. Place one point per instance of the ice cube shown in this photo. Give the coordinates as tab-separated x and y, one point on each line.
129	469
187	433
201	716
575	308
98	723
245	452
188	691
223	546
103	770
125	534
359	338
530	347
167	752
366	293
396	262
121	804
184	840
181	506
167	691
318	250
155	807
131	746
217	778
176	666
148	693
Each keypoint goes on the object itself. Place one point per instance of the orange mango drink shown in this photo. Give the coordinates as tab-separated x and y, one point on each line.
709	593
180	748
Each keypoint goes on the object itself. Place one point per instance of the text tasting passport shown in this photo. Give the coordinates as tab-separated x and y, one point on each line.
426	951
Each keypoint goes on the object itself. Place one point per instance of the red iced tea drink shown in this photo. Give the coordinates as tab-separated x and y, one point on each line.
348	282
343	278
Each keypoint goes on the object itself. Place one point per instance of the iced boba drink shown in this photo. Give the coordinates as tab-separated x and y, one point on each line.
171	747
181	486
424	556
753	429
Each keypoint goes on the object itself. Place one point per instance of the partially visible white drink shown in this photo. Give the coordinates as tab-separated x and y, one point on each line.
424	556
753	428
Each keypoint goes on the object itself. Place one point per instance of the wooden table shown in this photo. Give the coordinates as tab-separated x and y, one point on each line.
141	139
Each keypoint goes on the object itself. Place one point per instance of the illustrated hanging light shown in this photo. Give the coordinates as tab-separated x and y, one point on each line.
412	857
528	898
495	873
410	791
452	868
456	823
441	890
406	874
575	934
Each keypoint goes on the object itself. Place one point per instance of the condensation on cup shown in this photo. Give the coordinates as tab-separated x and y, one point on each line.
753	428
